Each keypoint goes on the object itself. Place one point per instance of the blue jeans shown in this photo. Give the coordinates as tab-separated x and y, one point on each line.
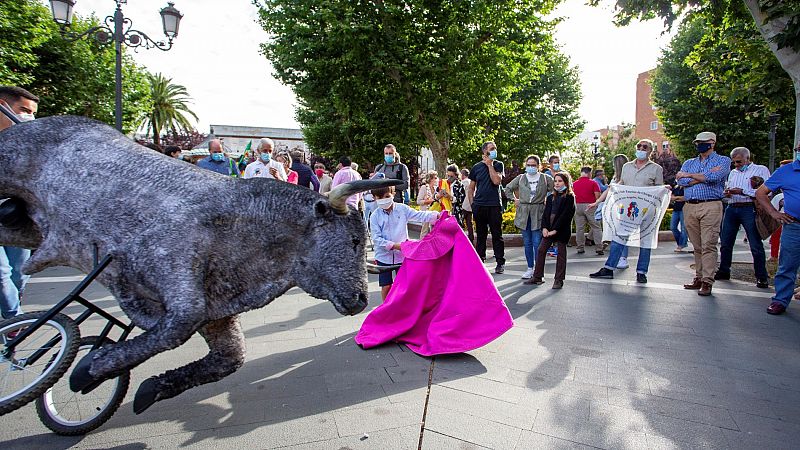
531	240
618	250
12	281
681	237
788	263
734	218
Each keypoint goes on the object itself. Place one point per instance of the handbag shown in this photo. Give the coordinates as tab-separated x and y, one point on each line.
765	223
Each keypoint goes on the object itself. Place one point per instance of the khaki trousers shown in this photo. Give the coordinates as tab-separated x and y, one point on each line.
702	225
584	215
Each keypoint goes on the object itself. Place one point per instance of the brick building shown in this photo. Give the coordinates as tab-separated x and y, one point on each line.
647	124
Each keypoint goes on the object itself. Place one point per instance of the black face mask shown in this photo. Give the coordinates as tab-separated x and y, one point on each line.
703	147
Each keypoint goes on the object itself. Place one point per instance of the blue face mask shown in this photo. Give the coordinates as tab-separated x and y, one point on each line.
641	154
218	156
556	167
744	167
703	147
493	154
797	156
265	157
561	189
531	170
389	159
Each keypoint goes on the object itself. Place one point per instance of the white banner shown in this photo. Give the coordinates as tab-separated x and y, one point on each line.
632	215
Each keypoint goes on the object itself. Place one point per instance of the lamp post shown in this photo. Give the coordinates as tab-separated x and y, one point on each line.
773	125
595	149
117	29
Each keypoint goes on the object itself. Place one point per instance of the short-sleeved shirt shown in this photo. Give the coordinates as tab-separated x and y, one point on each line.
787	179
584	189
486	192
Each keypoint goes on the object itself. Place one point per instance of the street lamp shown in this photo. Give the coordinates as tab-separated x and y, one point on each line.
117	28
596	149
773	125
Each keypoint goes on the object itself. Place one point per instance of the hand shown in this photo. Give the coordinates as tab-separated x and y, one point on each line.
273	172
683	174
781	217
735	191
487	160
396	246
593	204
716	169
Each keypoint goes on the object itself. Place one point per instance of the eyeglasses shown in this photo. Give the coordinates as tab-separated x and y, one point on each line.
642	146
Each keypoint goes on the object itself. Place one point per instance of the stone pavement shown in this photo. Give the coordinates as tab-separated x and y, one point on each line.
599	364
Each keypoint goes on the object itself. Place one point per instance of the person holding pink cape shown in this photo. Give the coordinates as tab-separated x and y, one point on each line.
443	299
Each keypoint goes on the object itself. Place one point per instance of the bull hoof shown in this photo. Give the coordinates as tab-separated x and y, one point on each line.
146	395
81	380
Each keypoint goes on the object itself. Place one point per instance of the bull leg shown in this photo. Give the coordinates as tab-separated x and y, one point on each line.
171	330
226	354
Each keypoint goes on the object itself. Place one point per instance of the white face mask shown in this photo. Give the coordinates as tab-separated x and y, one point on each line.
385	203
26	117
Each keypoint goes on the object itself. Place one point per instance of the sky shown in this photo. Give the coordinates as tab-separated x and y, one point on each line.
216	56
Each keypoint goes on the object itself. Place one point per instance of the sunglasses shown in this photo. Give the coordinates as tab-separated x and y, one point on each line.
642	146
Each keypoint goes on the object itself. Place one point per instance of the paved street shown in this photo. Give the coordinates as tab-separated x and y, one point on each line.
601	363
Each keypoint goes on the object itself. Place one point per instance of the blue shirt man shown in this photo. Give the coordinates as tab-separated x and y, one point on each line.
217	161
703	179
787	179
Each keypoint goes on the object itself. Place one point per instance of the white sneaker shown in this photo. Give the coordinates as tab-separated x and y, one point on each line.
528	274
623	263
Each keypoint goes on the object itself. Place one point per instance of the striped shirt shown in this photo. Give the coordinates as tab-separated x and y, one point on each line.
741	180
715	168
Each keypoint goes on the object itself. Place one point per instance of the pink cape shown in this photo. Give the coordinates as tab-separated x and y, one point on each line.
443	299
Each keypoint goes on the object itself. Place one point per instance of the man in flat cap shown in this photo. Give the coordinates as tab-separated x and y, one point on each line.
703	179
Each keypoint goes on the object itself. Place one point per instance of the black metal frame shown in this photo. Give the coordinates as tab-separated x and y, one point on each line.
74	296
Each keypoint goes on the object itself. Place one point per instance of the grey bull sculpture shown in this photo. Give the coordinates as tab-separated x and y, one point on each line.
242	243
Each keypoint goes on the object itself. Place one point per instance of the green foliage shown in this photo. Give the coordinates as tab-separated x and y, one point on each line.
722	78
70	77
414	73
168	109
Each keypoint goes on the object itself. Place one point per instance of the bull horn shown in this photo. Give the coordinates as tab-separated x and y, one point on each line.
372	268
339	194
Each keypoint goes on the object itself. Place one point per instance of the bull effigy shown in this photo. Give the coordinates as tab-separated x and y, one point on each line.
90	190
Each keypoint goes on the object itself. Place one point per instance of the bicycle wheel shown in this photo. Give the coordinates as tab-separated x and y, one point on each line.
22	379
71	413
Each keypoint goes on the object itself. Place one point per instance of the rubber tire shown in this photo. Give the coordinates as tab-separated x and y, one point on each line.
122	384
55	369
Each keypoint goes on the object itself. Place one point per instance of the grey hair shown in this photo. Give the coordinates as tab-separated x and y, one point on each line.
286	155
266	141
744	151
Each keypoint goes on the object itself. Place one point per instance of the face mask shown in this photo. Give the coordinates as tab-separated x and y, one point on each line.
703	147
493	154
389	159
217	156
384	203
265	157
319	173
531	170
744	167
797	156
561	189
556	166
25	117
641	154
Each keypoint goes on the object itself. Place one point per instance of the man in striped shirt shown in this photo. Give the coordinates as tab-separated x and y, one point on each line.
741	191
703	179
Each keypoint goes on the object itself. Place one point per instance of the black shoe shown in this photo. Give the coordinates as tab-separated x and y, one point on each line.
603	273
581	251
722	275
763	284
500	268
641	278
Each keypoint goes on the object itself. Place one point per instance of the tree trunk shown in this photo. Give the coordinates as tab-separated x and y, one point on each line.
787	57
440	148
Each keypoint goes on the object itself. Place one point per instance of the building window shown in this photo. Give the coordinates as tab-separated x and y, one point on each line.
654	125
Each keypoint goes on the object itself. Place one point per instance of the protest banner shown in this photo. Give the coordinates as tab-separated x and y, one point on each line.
632	215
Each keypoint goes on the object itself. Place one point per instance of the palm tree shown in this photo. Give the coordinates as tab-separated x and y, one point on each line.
169	108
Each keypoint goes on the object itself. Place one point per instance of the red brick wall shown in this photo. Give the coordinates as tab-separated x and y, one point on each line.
645	114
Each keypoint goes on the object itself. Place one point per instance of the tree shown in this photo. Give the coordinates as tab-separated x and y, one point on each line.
185	139
447	68
721	78
70	77
778	22
168	109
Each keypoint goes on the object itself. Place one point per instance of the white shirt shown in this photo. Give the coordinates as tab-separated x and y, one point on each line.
741	180
258	169
533	181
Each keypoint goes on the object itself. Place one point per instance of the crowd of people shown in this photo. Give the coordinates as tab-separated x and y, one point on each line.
713	196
